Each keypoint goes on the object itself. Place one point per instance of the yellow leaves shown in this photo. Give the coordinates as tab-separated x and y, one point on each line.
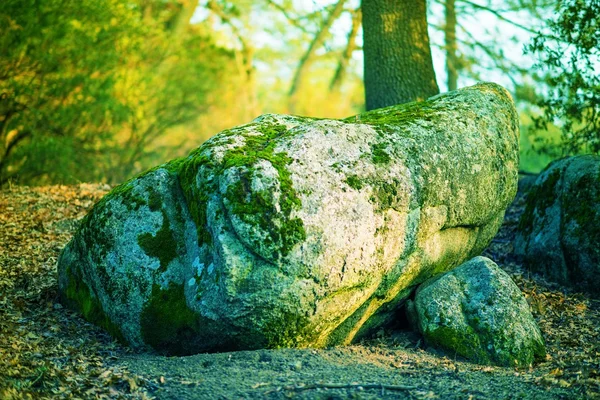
76	24
553	378
10	136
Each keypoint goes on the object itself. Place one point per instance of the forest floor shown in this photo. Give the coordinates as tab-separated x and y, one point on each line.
47	351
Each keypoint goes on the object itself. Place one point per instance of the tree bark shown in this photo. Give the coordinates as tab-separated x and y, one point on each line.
451	47
398	63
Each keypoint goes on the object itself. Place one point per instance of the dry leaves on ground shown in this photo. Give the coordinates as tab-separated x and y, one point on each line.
47	351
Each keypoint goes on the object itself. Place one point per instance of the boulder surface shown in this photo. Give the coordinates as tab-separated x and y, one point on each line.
293	231
558	234
478	312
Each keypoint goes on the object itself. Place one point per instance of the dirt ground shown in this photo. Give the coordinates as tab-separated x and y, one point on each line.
47	351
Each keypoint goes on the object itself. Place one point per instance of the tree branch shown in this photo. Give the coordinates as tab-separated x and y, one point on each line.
292	20
340	72
493	56
308	57
499	16
9	148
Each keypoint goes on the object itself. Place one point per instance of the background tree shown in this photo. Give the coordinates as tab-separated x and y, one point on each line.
87	86
451	47
309	56
569	62
119	86
397	54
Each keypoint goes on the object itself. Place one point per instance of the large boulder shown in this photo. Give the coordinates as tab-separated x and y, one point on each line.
293	231
559	234
478	312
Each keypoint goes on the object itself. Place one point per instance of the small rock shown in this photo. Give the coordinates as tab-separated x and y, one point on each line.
478	312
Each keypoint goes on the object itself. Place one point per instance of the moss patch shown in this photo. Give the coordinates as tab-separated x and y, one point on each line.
197	199
398	115
582	205
466	343
252	208
479	343
79	297
288	331
167	323
162	245
539	199
386	194
354	182
379	154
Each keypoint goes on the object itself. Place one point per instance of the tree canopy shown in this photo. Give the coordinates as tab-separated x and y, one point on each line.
101	90
568	54
86	85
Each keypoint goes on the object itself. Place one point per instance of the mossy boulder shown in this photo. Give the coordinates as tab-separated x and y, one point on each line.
293	231
558	234
477	311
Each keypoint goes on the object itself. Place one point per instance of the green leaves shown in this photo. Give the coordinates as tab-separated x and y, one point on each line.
93	83
568	59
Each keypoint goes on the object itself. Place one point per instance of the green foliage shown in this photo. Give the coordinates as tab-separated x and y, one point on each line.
569	58
537	147
86	86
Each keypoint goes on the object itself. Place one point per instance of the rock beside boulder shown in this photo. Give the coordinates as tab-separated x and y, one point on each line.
559	234
478	312
293	231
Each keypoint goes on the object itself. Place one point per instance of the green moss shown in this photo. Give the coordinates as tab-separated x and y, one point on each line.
387	194
79	297
167	323
197	199
582	206
162	245
539	198
474	343
252	208
289	330
354	182
379	154
397	115
466	344
125	191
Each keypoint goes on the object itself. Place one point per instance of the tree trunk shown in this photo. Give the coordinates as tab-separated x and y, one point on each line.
398	63
451	47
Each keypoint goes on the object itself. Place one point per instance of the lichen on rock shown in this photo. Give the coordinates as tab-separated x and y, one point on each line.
476	311
293	231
